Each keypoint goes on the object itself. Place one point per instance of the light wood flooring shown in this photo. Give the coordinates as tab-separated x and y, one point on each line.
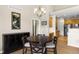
63	48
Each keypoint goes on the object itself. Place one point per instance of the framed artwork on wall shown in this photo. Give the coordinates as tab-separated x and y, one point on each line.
43	22
15	19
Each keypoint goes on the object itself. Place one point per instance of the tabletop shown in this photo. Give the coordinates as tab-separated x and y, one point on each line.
34	39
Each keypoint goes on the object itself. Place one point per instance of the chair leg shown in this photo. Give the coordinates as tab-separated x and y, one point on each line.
26	50
23	51
46	51
55	51
31	51
43	51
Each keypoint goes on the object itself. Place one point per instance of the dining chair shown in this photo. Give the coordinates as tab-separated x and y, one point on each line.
25	43
52	44
38	46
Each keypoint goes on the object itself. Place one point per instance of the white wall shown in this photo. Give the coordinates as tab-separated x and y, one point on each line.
61	26
45	29
5	19
73	37
27	15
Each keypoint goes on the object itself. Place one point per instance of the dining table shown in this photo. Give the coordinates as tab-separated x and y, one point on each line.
34	39
46	39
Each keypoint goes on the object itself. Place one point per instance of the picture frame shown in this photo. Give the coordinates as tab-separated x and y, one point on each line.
43	23
15	19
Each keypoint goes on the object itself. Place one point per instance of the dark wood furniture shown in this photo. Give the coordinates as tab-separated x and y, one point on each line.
13	42
55	42
52	44
38	44
26	44
37	47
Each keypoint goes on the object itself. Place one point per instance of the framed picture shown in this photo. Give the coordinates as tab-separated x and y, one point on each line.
16	18
43	22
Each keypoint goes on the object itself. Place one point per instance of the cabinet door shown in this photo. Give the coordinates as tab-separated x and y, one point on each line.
13	42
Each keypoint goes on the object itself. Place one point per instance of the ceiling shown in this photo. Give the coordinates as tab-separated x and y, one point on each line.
66	11
61	7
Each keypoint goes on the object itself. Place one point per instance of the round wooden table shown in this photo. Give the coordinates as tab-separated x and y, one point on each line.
33	40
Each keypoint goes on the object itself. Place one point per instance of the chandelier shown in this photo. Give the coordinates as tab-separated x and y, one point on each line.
39	12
